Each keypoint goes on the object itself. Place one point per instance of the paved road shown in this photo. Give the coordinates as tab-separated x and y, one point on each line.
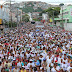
39	25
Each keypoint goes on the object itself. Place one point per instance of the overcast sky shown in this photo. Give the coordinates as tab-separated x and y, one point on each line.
47	1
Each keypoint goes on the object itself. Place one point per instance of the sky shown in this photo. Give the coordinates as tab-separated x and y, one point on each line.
47	1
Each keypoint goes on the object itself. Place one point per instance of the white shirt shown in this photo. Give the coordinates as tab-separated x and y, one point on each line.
48	68
19	64
64	66
59	60
28	55
53	69
49	61
65	60
28	64
68	69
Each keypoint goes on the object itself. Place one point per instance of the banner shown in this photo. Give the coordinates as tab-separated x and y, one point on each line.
51	20
0	21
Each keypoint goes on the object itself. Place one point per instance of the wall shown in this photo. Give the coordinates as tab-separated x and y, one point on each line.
1	11
68	26
57	23
4	13
66	12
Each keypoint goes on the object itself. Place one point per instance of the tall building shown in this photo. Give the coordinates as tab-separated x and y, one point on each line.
67	17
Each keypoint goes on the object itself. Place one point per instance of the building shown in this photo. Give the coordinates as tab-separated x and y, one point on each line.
1	20
67	18
30	15
44	16
35	14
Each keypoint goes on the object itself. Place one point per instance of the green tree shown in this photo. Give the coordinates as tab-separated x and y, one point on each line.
38	9
61	4
50	11
28	9
14	24
36	19
25	18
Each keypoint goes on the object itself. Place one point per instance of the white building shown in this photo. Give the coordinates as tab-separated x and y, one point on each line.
30	15
44	16
4	13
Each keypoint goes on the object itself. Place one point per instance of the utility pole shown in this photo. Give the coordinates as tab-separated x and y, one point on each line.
10	14
10	1
61	5
62	18
17	18
53	17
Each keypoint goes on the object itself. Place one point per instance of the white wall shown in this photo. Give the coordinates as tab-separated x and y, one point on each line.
1	11
57	23
4	13
68	26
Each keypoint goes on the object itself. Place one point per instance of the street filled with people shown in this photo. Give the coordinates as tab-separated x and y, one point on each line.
36	49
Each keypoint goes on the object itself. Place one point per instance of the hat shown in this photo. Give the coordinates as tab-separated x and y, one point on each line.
56	61
22	51
13	59
37	63
41	55
23	66
41	68
27	68
8	58
0	44
35	51
31	60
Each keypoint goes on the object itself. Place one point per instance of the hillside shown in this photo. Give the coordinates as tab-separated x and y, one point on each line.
33	6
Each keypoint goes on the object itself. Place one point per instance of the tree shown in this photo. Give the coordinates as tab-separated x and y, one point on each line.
50	11
42	12
14	24
25	18
61	4
38	10
36	19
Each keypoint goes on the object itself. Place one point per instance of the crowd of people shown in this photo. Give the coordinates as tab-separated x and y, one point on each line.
36	49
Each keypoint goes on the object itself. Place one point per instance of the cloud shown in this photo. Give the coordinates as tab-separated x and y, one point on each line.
47	1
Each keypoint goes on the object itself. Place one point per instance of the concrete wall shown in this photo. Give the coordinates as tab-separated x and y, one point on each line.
68	26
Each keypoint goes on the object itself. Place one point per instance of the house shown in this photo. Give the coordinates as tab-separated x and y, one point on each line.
67	18
35	14
44	16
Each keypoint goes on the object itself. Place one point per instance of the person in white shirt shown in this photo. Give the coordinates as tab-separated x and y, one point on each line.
70	67
28	55
59	59
55	68
49	60
19	64
64	66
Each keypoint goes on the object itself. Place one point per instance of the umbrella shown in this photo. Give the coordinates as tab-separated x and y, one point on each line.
37	30
6	44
